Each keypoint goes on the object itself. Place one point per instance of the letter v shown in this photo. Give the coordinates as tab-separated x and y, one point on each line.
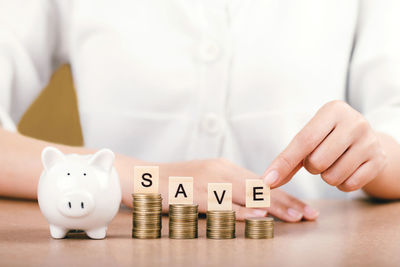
222	197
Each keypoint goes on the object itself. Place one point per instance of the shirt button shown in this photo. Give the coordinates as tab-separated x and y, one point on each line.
211	123
208	51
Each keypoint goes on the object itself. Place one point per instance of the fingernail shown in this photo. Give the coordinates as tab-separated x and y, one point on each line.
271	177
294	213
310	212
260	213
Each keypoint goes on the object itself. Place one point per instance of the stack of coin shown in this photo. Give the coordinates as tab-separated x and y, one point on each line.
183	221
259	228
146	216
221	224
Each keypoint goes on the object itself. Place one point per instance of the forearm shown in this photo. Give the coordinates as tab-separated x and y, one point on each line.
20	163
21	166
387	184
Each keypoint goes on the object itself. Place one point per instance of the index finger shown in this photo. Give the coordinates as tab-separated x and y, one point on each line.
283	167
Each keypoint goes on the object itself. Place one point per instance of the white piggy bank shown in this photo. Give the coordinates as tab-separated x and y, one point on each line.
78	192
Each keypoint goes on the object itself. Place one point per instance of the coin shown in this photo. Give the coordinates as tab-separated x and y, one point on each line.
221	224
259	228
146	216
183	221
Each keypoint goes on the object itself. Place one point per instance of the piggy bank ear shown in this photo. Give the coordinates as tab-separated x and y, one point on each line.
103	159
51	156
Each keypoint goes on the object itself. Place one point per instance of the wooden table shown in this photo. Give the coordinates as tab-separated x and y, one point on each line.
348	233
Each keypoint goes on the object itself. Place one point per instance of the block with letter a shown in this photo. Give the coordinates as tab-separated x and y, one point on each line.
219	196
145	179
180	190
257	194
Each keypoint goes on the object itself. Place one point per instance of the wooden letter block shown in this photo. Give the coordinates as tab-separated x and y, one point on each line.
219	196
257	194
145	179
180	190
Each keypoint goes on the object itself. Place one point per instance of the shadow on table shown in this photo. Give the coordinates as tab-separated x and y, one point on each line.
36	236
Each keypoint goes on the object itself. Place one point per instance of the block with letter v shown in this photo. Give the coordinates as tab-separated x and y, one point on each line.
219	196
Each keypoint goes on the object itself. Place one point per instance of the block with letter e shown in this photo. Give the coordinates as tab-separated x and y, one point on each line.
257	194
219	196
180	190
145	179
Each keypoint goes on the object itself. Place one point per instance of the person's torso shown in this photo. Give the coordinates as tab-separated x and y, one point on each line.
178	80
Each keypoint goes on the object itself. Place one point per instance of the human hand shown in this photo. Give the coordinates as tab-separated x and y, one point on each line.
283	205
337	143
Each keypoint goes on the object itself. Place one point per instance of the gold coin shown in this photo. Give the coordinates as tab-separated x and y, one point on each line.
183	221
259	228
146	216
221	224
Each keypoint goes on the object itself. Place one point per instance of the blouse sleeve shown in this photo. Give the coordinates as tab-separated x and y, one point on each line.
374	75
31	47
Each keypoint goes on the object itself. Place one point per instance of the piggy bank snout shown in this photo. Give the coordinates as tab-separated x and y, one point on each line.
76	204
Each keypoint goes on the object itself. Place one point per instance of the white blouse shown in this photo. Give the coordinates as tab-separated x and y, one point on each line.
189	79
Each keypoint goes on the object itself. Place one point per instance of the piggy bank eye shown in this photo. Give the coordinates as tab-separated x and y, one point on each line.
68	173
84	173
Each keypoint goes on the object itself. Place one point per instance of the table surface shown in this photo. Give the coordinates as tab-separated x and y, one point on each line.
348	233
